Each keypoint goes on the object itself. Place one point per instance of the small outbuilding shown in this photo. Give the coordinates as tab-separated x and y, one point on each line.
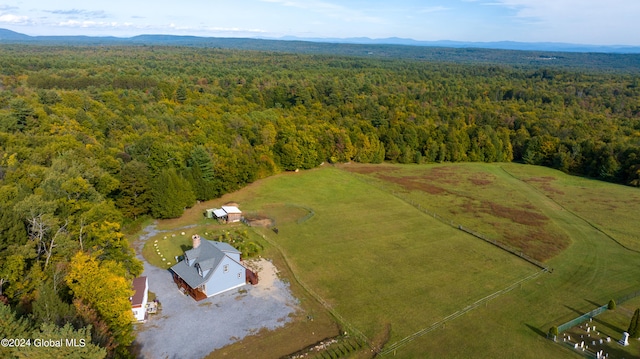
227	214
140	298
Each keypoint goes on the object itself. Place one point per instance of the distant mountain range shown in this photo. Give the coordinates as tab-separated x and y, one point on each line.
498	45
8	36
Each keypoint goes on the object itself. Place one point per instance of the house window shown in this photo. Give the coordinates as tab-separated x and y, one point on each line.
225	269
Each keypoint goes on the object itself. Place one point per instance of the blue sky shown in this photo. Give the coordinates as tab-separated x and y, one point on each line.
610	22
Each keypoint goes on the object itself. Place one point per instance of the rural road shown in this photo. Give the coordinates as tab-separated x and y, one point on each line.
185	328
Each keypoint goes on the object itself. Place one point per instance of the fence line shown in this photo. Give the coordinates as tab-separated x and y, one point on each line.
402	342
595	312
581	319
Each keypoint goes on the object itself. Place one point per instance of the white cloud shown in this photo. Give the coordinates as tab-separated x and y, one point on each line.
90	24
13	19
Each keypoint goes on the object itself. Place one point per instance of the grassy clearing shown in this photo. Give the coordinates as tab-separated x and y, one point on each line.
377	260
381	263
590	270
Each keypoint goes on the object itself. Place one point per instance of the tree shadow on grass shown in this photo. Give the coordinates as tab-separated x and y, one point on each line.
579	312
594	303
536	330
609	326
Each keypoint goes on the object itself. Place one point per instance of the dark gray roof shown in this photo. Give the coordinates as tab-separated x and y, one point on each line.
225	247
188	274
207	256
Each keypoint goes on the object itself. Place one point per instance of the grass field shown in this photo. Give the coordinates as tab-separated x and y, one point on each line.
590	268
381	263
610	208
383	254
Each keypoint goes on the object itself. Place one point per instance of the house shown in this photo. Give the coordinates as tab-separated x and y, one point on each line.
228	214
210	268
140	298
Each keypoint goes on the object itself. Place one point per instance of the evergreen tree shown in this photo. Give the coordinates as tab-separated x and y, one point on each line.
201	159
181	94
11	327
170	195
12	229
201	174
135	190
76	344
49	308
634	325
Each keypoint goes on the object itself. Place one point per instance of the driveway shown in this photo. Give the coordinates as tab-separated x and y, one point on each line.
188	329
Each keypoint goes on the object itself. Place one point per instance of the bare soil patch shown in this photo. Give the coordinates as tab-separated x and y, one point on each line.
539	243
482	179
521	216
258	220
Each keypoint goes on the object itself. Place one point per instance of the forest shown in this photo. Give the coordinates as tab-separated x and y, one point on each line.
94	138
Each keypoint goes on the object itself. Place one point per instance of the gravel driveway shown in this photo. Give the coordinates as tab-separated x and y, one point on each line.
187	329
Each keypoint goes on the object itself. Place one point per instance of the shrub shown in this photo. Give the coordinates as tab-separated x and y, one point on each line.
612	305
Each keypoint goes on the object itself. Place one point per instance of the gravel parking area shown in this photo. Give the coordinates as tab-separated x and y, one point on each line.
185	328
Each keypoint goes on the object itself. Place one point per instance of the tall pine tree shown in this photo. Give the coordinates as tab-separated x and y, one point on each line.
135	191
201	174
634	326
170	194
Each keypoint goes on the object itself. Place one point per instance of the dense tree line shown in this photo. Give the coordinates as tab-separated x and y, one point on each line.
91	138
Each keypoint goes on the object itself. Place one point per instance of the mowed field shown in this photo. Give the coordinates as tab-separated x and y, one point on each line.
390	270
377	260
516	204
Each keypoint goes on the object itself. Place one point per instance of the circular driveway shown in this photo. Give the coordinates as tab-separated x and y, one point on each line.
184	328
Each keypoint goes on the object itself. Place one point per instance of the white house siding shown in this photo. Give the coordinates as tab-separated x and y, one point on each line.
138	313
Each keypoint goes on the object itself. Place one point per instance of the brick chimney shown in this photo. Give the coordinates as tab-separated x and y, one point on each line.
196	240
